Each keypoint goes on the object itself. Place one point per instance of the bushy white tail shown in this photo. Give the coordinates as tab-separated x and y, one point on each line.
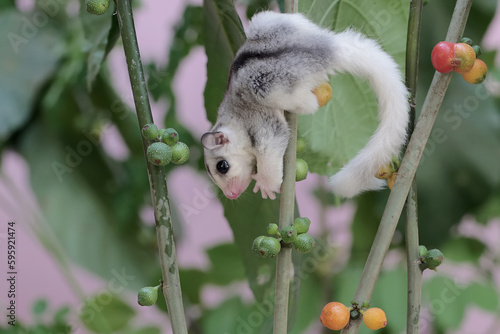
363	57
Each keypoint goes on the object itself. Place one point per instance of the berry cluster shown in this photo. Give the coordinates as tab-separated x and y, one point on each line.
295	235
430	259
389	172
461	58
336	315
166	148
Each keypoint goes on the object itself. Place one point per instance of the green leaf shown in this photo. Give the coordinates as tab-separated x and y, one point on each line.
389	295
29	56
227	264
105	313
463	249
446	301
309	304
340	129
223	36
248	218
485	296
100	37
223	318
145	330
192	280
489	210
40	306
85	224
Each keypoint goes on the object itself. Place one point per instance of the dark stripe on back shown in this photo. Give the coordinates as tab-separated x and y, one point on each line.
242	58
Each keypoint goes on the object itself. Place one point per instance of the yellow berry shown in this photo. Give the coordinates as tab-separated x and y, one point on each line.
374	318
323	93
335	316
477	74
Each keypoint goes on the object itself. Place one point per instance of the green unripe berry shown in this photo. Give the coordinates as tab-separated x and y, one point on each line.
97	7
433	258
269	247
256	244
301	170
301	224
355	314
180	153
150	131
422	250
169	136
273	229
288	234
477	50
147	296
159	154
467	40
304	243
301	144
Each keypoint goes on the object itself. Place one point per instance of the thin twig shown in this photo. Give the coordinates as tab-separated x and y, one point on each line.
407	170
412	255
157	177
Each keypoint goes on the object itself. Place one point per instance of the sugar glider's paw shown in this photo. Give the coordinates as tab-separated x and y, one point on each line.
268	187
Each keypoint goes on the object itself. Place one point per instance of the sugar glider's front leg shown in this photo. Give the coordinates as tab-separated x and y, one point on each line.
269	174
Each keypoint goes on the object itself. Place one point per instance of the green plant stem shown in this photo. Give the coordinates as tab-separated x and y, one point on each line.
287	209
406	173
157	178
287	206
412	255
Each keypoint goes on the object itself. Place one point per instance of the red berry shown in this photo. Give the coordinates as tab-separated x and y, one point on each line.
442	57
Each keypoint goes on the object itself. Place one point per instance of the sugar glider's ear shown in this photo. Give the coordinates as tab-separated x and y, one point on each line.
213	140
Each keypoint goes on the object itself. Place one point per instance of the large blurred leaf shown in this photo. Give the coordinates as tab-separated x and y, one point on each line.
223	35
463	249
226	264
446	301
340	129
29	55
105	313
484	295
86	226
248	218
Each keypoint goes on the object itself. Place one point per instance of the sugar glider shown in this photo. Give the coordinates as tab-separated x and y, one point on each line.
283	59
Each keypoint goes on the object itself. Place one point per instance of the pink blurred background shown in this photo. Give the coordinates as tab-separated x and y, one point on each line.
40	276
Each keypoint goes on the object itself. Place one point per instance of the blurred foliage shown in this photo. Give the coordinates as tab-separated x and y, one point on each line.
58	99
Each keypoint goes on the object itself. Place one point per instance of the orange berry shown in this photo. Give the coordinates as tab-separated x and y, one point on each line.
477	74
374	318
464	58
335	316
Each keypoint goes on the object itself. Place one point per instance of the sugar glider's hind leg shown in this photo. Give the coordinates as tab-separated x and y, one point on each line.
300	99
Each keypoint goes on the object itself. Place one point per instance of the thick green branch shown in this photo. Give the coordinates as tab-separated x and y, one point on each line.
287	206
413	270
408	168
157	178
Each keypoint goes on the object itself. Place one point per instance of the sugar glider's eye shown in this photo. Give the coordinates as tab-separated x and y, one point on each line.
222	166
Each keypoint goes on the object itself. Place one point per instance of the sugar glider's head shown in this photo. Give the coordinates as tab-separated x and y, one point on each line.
228	164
